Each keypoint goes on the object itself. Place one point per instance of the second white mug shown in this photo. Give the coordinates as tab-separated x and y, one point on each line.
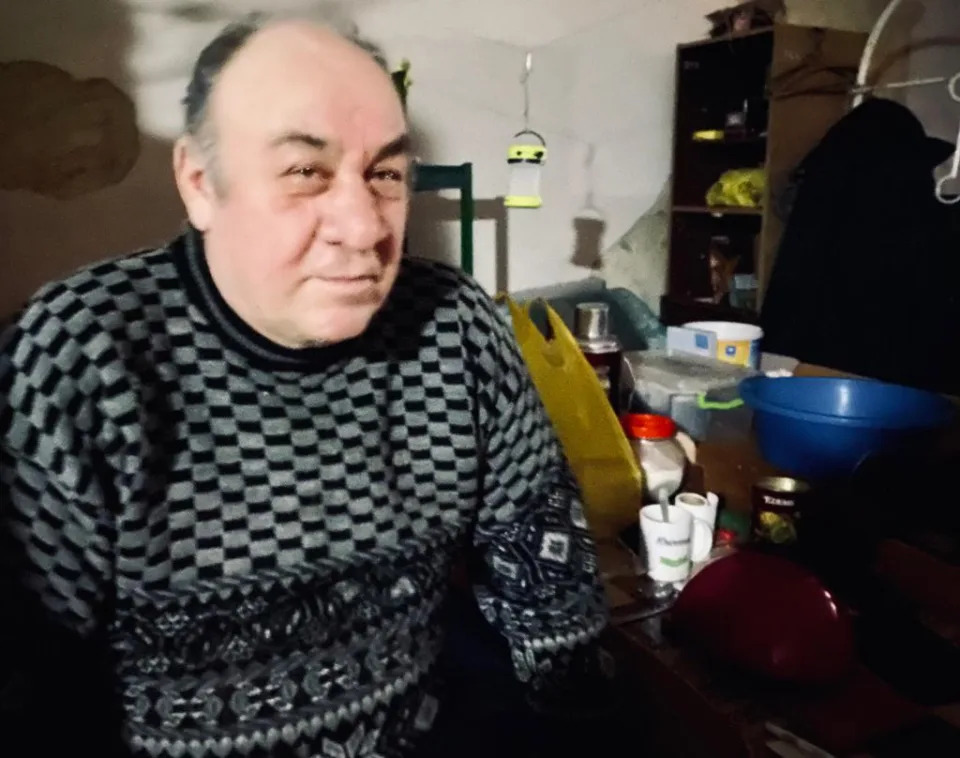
704	513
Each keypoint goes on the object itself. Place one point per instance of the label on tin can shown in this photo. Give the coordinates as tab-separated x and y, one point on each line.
778	510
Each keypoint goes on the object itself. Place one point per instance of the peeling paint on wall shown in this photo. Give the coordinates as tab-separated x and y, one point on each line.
638	260
61	137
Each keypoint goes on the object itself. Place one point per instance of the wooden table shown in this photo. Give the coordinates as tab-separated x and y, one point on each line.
671	682
704	711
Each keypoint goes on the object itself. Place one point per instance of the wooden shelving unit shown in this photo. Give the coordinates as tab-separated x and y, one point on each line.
716	77
718	210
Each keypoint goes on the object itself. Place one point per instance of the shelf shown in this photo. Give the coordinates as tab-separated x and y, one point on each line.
676	310
713	77
728	38
718	211
758	139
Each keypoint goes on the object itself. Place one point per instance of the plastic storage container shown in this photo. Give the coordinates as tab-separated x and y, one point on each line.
738	344
687	389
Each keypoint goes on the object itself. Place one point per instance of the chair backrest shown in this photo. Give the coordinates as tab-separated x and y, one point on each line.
432	178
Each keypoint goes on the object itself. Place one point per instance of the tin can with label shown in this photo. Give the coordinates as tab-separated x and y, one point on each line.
778	509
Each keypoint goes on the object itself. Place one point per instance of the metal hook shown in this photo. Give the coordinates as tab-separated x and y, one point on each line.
524	80
591	154
954	174
953	87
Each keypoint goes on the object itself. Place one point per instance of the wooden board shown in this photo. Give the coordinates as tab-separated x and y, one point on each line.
798	122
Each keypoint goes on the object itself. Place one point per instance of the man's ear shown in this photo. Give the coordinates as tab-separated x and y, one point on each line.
194	178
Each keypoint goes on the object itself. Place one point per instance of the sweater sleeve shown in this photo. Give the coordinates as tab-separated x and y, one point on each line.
56	536
536	576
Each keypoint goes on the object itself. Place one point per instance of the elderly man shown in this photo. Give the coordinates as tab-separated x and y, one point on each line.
238	469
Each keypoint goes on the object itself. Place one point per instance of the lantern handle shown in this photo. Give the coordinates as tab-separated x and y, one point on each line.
531	132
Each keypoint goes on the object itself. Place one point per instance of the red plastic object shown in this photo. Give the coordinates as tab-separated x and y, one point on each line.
649	426
769	616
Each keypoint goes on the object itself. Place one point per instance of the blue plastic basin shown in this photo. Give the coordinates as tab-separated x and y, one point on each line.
823	427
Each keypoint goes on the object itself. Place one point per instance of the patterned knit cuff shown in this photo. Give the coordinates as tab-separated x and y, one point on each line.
570	681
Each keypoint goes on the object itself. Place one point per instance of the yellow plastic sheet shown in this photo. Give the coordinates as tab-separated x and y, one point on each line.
739	188
589	431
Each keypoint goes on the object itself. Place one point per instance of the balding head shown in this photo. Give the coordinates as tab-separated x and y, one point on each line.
305	214
223	48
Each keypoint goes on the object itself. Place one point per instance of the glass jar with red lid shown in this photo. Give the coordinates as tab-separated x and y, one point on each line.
661	457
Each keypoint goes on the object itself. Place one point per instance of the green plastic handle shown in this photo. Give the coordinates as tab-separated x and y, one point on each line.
709	405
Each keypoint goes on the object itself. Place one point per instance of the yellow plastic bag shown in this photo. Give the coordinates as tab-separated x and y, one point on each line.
738	188
589	431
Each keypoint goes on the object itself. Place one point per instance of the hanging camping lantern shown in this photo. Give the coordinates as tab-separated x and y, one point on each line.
526	158
526	155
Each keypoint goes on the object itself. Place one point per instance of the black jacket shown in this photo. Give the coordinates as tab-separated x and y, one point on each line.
866	277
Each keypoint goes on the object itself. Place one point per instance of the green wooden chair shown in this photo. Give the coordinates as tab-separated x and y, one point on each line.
433	178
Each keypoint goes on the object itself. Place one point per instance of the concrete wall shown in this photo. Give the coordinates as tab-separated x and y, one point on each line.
601	89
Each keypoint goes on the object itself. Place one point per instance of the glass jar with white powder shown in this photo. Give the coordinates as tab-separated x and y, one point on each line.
661	457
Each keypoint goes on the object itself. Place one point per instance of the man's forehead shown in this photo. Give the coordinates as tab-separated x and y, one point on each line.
316	120
334	91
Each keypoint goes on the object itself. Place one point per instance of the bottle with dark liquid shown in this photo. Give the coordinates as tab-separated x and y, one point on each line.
601	349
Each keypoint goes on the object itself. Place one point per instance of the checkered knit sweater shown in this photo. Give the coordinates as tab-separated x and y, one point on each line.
259	539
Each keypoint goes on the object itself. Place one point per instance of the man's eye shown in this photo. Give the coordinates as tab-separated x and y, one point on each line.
387	175
306	173
388	182
306	179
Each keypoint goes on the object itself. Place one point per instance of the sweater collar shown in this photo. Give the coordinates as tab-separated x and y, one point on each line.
192	262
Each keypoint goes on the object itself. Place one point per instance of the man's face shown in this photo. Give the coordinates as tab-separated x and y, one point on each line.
305	233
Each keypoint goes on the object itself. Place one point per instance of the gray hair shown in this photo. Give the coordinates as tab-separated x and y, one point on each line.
219	52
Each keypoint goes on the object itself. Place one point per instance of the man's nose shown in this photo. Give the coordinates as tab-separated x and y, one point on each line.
351	216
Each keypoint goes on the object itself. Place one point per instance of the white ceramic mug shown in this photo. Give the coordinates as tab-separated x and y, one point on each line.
703	510
667	542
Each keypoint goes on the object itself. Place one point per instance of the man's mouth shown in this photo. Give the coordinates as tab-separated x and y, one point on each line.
361	289
347	281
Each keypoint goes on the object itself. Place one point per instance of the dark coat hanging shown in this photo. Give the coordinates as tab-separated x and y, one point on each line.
866	279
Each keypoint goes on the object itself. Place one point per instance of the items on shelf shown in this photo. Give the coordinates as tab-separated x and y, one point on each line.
708	135
726	119
743	292
723	263
745	17
738	188
745	124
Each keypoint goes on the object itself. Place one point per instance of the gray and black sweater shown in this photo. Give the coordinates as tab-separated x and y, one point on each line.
253	542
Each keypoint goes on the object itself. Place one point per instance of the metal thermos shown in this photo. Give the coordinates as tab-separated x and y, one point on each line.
601	349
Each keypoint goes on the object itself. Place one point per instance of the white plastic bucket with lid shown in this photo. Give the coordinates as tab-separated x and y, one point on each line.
736	343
